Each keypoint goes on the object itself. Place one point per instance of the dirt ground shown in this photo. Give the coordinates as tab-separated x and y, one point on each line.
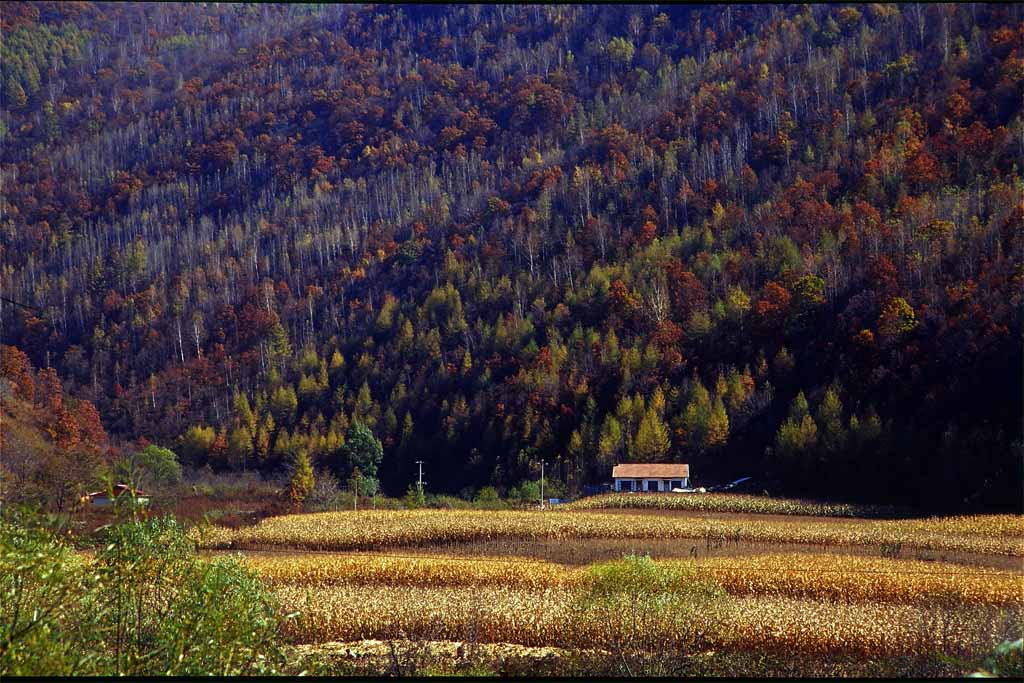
189	510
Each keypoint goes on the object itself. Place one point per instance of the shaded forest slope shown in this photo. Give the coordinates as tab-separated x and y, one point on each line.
774	240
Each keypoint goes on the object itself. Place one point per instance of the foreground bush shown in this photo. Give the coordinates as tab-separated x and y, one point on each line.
143	604
1006	661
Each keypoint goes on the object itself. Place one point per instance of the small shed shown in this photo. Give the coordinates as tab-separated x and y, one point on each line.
650	477
102	498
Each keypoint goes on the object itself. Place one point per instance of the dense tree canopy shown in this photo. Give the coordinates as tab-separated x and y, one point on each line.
782	241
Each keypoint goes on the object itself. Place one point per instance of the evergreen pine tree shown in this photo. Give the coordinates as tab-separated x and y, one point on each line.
300	485
652	439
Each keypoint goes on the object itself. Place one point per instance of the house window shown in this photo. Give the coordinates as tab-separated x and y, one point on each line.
677	483
625	485
652	485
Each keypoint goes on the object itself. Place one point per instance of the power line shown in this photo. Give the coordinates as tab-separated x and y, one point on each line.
18	303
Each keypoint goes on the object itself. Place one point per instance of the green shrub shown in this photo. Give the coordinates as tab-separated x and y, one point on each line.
159	466
414	497
232	485
649	616
528	492
488	499
448	503
1006	661
144	604
43	589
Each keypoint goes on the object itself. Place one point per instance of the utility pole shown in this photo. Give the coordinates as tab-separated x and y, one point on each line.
420	483
541	484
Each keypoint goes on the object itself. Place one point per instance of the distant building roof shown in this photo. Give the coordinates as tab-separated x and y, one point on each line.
118	490
658	471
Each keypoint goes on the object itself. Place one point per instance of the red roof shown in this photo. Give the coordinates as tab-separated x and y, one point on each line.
654	471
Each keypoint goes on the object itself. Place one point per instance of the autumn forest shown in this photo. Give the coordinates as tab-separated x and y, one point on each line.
771	241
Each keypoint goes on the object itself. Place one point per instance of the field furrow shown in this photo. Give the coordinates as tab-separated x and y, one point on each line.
835	578
370	530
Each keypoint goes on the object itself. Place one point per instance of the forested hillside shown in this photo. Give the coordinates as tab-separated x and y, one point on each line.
779	241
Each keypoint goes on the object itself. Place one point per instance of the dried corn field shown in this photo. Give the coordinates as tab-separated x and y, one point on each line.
836	578
330	569
800	587
547	618
373	530
727	502
857	579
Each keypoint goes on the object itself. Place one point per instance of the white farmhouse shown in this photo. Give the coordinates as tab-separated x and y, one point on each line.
654	477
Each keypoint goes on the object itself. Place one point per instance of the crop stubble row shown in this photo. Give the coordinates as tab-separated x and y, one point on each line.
835	578
779	602
370	530
726	502
548	618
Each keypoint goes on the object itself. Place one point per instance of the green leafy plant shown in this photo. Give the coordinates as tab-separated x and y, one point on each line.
42	585
488	499
1006	661
144	604
649	616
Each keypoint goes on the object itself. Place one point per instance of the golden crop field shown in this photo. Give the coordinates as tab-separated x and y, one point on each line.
992	526
547	617
372	530
327	569
725	502
783	625
852	578
790	587
836	578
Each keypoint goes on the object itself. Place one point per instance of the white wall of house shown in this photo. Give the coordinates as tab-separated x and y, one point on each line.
631	484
